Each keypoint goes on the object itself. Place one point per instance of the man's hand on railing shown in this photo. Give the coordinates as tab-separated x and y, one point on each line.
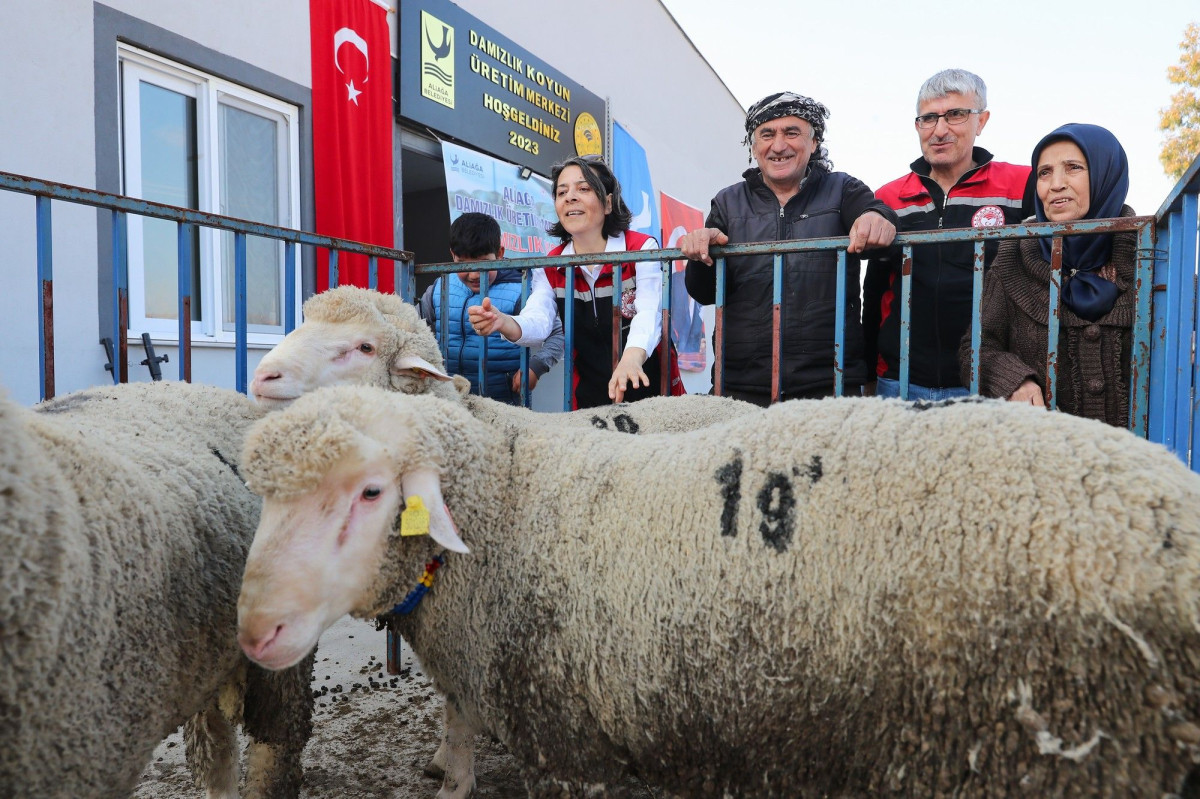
1029	393
870	231
486	320
695	244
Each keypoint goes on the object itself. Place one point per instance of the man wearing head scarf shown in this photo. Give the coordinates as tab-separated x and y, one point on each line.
954	184
792	193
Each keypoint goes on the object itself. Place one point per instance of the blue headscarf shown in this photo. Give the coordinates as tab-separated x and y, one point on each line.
1085	292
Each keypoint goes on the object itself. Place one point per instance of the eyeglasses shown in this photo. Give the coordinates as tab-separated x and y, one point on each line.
955	116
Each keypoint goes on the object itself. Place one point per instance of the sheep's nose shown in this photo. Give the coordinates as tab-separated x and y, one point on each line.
262	376
256	646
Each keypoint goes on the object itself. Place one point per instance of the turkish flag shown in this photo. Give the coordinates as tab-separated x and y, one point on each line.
352	133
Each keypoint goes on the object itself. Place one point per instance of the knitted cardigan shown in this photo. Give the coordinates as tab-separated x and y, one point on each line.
1093	358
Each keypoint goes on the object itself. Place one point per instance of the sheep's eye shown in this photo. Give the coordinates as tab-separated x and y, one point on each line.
371	493
366	347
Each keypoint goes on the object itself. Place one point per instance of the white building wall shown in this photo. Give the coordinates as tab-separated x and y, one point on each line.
46	131
654	79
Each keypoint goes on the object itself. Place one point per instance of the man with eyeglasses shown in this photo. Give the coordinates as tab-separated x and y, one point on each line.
954	184
793	193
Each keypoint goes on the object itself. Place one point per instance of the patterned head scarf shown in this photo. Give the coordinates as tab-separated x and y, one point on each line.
790	104
1084	292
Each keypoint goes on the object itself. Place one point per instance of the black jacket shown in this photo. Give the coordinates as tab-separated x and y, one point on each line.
748	212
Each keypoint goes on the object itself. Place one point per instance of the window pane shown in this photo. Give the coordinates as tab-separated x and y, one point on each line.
168	161
250	165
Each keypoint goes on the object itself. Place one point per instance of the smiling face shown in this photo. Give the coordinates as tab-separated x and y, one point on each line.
782	148
948	147
578	206
1063	184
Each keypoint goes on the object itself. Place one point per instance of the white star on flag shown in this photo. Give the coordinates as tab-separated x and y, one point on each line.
352	92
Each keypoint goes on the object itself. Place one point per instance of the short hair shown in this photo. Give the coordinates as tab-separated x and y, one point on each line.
604	183
953	81
475	235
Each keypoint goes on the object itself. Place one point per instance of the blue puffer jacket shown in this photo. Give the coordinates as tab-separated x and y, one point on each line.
464	346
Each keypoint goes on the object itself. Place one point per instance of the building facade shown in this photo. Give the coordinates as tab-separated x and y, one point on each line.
209	106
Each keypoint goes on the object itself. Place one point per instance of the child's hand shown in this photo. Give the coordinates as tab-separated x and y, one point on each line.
516	381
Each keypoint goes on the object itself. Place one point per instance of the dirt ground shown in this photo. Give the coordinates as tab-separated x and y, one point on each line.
368	743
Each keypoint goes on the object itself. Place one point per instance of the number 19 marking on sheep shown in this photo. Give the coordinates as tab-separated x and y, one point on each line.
776	501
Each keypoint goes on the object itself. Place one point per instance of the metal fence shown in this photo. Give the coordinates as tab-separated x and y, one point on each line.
45	192
1163	403
1173	369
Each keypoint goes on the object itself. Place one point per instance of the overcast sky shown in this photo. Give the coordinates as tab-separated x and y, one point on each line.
1045	62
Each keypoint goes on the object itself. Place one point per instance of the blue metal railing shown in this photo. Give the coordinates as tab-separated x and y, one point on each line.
1164	403
1144	226
185	218
1174	372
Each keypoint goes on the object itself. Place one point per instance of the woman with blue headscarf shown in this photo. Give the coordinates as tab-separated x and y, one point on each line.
1081	172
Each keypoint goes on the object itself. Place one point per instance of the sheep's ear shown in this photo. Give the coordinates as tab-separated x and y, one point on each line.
462	385
424	483
416	366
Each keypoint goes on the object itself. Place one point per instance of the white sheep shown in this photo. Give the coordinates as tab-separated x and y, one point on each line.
124	527
840	597
355	336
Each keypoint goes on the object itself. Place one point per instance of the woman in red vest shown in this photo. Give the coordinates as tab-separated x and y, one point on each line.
592	218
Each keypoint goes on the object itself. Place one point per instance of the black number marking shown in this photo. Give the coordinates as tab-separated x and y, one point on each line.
815	470
599	423
729	477
777	503
625	423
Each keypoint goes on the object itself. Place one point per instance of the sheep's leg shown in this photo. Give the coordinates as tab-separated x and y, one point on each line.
278	720
210	749
456	756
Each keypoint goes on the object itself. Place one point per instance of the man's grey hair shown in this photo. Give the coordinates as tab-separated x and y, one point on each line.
951	81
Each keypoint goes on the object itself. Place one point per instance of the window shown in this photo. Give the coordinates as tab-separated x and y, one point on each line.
198	141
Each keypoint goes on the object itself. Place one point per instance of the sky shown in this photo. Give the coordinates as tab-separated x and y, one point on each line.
1045	63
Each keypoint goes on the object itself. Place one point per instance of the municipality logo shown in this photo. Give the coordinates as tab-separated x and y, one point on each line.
437	60
466	166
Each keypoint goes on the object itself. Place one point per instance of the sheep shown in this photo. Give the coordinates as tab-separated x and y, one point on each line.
124	525
355	336
849	597
351	336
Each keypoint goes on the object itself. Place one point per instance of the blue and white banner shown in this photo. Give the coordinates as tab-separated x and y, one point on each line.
633	173
524	207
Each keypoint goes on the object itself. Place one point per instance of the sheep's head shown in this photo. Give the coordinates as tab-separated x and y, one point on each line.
355	336
335	470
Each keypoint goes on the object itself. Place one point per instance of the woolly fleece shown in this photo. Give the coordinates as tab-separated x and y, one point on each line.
393	326
124	525
831	598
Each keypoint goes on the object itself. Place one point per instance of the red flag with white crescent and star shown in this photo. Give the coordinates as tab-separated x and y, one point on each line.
352	133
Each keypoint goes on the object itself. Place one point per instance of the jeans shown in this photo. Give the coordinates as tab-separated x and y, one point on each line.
886	387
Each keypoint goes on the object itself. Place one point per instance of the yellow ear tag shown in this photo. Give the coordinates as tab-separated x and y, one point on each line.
414	519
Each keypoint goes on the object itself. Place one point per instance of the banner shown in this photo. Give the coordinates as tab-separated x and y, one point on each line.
352	133
469	81
637	187
524	207
687	326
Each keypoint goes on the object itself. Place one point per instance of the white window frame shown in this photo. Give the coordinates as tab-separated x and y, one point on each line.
210	93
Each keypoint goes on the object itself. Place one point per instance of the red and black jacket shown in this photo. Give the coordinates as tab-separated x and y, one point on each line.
592	342
992	193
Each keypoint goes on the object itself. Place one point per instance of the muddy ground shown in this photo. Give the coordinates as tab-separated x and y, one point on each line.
366	744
